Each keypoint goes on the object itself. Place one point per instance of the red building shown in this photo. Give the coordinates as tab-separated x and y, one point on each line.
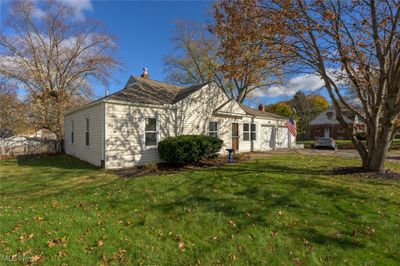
326	125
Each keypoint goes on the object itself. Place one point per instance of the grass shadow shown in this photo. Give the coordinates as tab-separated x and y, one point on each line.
55	161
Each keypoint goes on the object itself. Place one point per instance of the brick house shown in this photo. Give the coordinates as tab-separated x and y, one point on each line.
326	125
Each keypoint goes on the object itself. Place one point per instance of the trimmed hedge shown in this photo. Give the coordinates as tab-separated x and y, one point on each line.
186	149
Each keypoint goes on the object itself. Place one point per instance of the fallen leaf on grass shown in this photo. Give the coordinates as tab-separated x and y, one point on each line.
181	246
39	218
234	258
231	222
35	258
61	253
100	243
120	255
57	241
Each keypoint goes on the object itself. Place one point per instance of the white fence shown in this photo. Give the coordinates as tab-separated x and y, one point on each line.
21	145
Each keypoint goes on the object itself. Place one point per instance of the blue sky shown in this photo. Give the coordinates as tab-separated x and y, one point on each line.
143	31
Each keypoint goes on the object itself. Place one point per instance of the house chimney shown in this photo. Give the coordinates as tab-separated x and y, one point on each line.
106	92
261	107
145	74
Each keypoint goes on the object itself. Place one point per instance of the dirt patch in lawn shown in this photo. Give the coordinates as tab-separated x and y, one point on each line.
164	168
360	172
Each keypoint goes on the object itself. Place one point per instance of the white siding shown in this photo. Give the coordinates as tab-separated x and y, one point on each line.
196	110
256	145
121	133
124	145
93	152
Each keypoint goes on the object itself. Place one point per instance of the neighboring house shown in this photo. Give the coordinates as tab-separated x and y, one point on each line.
123	129
326	125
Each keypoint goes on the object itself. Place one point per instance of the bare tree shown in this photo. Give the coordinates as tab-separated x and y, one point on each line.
54	57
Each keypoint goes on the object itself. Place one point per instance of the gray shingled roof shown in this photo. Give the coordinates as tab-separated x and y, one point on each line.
256	112
147	91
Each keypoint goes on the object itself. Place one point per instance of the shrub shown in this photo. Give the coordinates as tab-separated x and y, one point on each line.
188	148
361	136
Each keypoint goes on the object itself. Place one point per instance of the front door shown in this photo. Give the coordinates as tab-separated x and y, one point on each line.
235	136
326	132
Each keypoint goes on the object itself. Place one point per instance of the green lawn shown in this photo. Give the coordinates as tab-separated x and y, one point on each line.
280	210
346	144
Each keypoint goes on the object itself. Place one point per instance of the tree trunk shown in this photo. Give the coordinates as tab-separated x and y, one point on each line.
379	142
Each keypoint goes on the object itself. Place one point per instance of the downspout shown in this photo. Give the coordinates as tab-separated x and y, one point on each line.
103	137
251	140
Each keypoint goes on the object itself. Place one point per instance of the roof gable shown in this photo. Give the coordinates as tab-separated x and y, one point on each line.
258	113
147	91
230	107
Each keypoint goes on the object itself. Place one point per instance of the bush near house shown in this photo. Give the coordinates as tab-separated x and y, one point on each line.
188	148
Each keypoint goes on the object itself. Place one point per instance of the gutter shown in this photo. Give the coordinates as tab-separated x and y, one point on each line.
165	106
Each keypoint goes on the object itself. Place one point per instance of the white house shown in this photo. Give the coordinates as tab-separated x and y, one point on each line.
123	129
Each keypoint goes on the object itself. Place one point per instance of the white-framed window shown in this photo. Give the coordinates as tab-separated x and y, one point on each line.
246	132
72	131
253	128
213	129
249	132
87	132
150	134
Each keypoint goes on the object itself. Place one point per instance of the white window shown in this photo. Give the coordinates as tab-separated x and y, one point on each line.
87	134
253	132
246	132
150	132
213	129
249	132
72	131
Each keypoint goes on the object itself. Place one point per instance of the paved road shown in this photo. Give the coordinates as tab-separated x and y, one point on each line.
393	155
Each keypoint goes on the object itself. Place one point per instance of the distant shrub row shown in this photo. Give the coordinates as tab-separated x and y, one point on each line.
186	149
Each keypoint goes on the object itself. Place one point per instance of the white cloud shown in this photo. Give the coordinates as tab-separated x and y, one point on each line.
80	6
305	82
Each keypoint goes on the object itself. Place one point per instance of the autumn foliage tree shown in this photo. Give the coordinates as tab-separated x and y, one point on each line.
304	109
201	53
350	45
54	57
14	112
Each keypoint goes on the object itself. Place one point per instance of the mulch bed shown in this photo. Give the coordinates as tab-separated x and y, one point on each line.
163	168
360	172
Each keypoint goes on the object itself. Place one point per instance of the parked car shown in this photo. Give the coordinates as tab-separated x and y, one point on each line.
325	143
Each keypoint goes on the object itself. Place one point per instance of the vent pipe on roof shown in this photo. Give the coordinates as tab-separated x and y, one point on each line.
106	92
145	74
